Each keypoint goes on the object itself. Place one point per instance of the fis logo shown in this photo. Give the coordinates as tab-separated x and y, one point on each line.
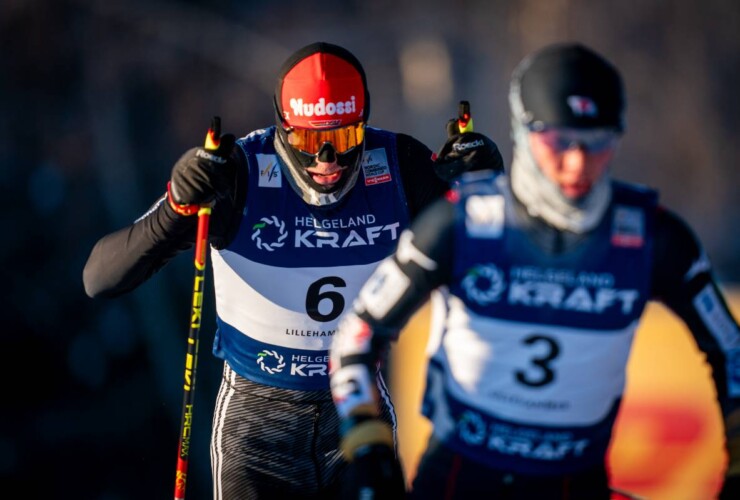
270	175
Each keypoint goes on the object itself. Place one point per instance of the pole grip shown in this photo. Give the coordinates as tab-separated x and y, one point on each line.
464	118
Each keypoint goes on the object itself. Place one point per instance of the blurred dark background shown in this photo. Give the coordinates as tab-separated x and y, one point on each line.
98	99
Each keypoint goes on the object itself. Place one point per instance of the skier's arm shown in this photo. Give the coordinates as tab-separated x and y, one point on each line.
122	260
683	281
395	291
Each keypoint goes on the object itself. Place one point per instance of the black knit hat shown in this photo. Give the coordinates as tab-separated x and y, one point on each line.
569	85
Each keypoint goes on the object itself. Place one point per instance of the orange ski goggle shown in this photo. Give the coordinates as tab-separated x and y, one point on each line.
343	138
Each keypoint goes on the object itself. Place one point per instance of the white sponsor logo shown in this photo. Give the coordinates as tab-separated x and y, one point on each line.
560	289
484	284
722	327
526	443
270	361
322	108
270	233
277	241
628	229
208	156
303	366
484	216
375	167
308	366
384	288
332	239
463	146
581	299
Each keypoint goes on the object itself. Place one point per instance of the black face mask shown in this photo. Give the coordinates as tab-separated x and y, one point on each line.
298	162
326	153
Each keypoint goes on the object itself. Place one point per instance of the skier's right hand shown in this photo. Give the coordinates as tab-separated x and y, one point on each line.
202	176
374	473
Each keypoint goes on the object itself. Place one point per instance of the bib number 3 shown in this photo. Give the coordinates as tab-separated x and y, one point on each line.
540	372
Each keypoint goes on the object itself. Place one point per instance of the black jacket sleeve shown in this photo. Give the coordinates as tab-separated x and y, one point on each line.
423	260
683	280
121	261
420	182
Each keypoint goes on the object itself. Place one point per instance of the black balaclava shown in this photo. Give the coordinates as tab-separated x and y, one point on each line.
321	86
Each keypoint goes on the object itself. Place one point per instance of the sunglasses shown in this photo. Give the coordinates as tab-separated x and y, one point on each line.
343	139
561	139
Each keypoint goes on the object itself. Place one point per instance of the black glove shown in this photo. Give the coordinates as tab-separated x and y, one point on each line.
466	152
202	175
374	474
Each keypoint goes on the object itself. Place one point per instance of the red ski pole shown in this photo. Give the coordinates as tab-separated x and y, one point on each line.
191	358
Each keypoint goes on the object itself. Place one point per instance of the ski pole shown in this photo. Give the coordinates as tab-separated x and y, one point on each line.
191	358
464	119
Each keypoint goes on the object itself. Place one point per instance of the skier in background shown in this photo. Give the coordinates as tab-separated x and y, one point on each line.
542	275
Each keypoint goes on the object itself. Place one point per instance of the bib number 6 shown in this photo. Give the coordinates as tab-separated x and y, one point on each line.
321	291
